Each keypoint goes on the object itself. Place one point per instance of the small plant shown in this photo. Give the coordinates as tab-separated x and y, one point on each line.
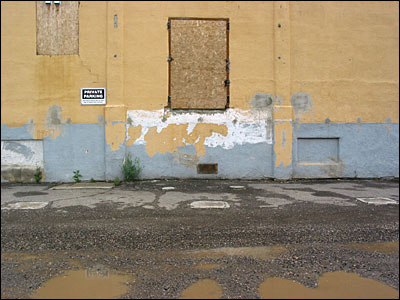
130	169
117	181
92	180
38	175
77	176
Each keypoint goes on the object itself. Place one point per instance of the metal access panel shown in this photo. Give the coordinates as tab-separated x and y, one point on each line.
198	63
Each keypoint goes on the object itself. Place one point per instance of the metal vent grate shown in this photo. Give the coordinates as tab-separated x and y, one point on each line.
207	169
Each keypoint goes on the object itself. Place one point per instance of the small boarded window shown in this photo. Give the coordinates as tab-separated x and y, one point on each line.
198	63
57	27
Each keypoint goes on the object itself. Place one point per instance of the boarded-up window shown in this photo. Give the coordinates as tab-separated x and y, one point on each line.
57	27
199	63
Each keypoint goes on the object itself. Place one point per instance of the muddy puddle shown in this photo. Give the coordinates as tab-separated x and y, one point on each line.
203	289
383	247
93	283
335	285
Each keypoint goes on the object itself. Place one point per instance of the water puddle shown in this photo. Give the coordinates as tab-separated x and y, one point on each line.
384	247
265	253
203	289
94	283
335	285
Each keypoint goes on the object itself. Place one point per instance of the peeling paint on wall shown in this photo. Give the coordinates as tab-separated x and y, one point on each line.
115	135
17	148
164	131
134	132
52	126
283	145
19	159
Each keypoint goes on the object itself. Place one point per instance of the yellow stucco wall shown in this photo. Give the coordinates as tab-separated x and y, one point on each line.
344	55
31	84
146	48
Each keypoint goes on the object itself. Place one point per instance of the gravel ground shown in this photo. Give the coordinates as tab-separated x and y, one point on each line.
158	247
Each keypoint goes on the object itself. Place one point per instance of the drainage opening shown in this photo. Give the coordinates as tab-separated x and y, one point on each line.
207	169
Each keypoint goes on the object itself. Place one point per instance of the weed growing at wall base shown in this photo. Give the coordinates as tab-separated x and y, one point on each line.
77	176
38	175
131	170
117	181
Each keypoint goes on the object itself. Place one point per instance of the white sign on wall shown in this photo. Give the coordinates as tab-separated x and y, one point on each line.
93	96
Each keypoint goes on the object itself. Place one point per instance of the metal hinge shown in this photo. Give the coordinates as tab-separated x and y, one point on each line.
228	65
227	82
169	100
227	102
170	59
227	26
169	25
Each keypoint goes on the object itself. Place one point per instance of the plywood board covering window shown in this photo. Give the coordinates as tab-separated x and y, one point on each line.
57	28
198	69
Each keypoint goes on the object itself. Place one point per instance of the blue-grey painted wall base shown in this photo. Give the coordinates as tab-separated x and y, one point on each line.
320	150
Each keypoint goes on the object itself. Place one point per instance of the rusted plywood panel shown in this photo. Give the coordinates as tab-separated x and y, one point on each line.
198	69
57	28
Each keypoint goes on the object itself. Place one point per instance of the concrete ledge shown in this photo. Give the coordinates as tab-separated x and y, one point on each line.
25	174
84	185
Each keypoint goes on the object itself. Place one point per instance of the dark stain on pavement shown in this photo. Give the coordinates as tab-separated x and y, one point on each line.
329	194
26	194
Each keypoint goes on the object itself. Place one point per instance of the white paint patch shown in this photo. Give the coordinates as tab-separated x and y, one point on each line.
26	205
168	188
171	200
378	201
27	153
148	206
244	127
237	187
209	204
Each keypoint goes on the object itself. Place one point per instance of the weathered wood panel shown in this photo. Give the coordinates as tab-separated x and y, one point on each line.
57	28
198	68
